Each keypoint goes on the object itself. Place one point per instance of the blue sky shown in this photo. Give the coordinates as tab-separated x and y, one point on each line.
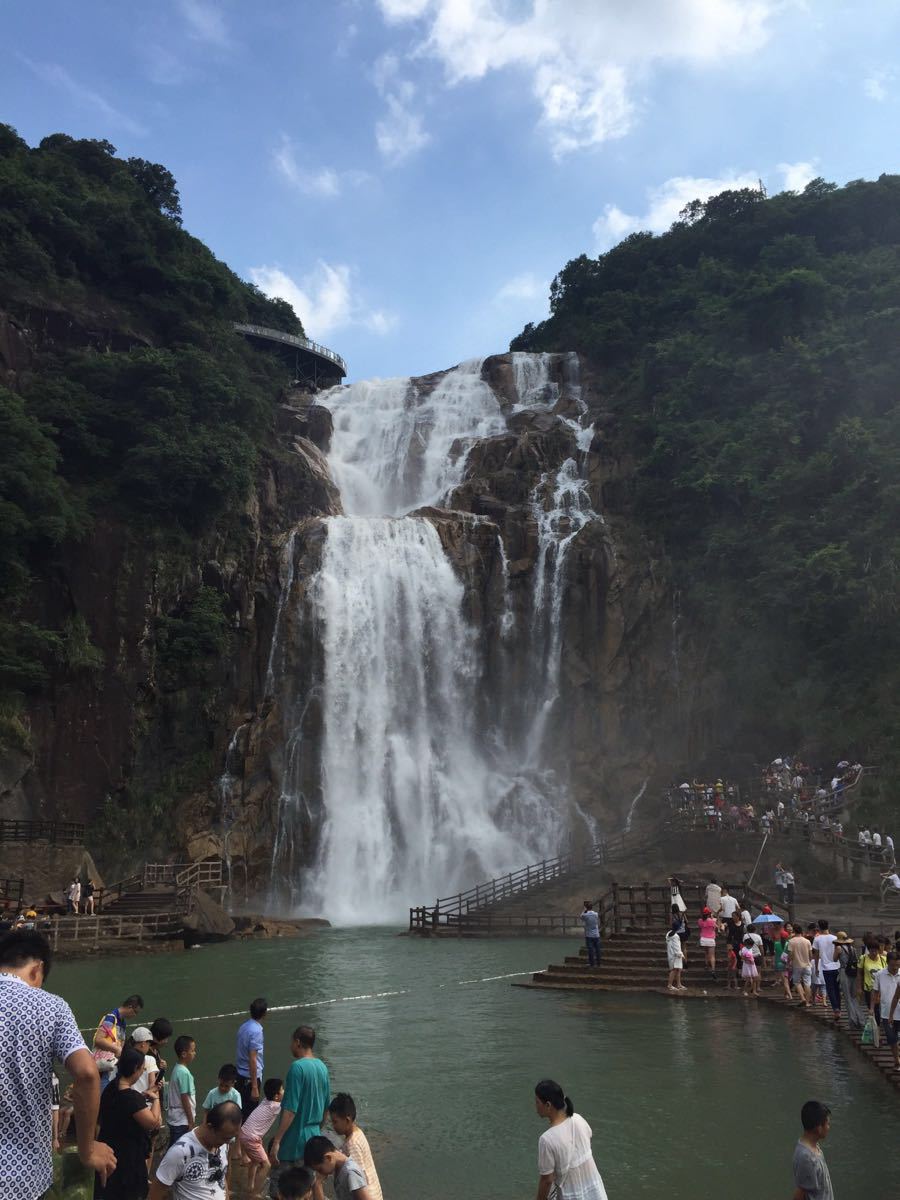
412	173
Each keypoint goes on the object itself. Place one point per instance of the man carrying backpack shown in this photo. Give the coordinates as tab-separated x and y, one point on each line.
849	964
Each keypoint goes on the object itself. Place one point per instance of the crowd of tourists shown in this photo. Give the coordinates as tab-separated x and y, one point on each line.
811	966
133	1101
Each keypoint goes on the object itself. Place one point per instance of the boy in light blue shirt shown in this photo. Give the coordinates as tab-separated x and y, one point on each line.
225	1090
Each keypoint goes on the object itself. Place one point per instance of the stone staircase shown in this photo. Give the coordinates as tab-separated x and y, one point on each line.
634	960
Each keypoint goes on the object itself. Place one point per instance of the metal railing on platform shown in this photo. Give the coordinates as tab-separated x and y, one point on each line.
292	339
58	833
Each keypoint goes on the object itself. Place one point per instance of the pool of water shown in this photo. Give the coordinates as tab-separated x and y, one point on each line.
687	1099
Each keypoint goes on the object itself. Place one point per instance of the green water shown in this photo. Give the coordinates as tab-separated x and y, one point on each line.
687	1099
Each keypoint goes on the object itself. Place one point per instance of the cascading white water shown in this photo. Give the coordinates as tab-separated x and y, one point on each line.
423	791
531	377
413	801
418	796
394	449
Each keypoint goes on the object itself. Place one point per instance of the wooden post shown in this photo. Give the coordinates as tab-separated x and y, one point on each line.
617	924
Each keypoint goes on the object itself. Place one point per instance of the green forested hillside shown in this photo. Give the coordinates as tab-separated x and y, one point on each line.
752	355
140	402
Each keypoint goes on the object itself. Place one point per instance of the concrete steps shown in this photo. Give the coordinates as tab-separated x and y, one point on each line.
635	962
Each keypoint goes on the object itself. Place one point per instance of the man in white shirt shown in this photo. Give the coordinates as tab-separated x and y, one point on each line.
713	896
889	848
887	993
194	1168
728	905
876	839
825	957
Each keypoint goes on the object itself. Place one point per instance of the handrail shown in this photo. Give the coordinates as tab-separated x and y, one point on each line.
291	339
65	833
482	895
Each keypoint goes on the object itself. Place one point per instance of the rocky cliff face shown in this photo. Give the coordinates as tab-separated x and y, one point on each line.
118	744
618	713
212	758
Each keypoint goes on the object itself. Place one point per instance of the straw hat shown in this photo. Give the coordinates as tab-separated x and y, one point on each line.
842	939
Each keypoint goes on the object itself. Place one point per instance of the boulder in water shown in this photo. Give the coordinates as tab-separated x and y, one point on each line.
207	922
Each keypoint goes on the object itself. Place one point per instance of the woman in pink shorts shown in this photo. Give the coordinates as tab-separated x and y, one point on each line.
707	928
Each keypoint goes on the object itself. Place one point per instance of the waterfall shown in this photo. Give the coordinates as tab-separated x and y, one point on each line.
412	796
531	377
395	449
286	582
561	509
425	783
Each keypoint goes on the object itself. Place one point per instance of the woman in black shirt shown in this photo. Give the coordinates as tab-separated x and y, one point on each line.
127	1118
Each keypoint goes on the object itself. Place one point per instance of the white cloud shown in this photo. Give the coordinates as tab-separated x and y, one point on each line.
316	181
665	202
400	132
797	175
324	300
521	287
57	76
206	21
875	86
583	58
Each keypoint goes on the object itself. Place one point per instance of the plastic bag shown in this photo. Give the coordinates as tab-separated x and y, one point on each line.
870	1033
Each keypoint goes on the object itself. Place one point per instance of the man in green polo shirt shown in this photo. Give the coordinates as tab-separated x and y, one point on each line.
307	1091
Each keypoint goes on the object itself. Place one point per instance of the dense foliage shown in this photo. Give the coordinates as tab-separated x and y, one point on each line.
752	354
142	404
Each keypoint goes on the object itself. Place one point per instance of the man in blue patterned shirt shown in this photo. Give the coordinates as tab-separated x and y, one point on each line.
36	1029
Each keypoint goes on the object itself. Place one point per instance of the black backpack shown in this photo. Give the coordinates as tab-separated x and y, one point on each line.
852	967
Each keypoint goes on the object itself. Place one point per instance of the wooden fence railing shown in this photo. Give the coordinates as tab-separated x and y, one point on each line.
451	911
12	891
58	833
183	874
96	930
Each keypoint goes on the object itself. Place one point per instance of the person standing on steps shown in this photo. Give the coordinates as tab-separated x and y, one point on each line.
674	954
728	904
566	1164
591	922
73	895
249	1057
707	928
811	1178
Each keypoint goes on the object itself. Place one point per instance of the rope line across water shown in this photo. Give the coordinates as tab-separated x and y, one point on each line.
332	1000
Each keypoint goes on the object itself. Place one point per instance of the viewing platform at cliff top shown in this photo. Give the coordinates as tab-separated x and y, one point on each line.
312	363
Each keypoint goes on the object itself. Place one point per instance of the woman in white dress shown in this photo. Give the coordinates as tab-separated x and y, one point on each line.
565	1162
